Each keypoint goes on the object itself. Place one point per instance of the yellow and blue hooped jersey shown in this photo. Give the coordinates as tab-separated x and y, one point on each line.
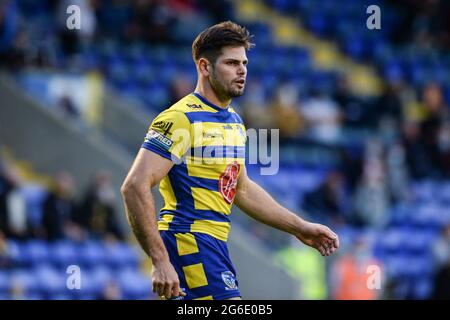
207	145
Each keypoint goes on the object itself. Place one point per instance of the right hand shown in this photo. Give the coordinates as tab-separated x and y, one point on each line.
165	280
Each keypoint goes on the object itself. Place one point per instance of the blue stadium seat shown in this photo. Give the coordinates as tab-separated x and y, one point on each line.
92	253
99	276
26	279
36	252
50	281
5	283
134	284
120	255
64	253
423	288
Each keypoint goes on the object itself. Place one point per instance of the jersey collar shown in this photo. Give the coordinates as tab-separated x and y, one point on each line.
212	105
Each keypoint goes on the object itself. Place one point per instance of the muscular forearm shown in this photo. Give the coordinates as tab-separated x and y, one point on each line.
257	203
140	209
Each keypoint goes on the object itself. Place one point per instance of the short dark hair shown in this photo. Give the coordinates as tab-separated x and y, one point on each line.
209	42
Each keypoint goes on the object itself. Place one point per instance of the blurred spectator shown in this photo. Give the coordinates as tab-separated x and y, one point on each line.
322	118
75	40
441	251
390	103
436	115
441	288
5	261
219	10
444	148
113	17
328	203
371	199
285	111
417	160
355	112
59	208
17	291
67	107
13	41
111	291
97	213
303	263
397	173
255	109
349	274
150	21
180	87
13	216
441	248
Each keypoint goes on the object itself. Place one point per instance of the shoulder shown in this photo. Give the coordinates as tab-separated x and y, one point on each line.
187	104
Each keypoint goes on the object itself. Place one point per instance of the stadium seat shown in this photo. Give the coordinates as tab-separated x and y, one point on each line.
36	252
92	254
134	284
120	255
64	253
50	281
26	280
5	283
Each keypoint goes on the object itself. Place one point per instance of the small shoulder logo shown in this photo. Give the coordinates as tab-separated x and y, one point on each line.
229	279
163	125
194	106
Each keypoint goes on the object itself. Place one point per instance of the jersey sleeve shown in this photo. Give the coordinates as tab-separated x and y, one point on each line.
169	135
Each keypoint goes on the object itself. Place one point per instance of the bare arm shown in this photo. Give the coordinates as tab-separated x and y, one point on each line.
258	204
147	171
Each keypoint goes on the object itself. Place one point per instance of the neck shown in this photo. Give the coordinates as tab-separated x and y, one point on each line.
205	90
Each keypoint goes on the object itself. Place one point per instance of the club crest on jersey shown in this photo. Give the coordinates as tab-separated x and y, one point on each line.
229	279
228	182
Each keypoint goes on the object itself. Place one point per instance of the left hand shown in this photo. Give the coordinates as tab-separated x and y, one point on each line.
319	237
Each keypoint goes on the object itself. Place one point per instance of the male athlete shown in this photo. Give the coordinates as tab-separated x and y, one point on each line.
196	151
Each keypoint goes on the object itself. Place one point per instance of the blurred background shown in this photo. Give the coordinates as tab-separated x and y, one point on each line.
364	133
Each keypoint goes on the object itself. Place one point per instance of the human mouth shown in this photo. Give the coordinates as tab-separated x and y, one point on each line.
240	82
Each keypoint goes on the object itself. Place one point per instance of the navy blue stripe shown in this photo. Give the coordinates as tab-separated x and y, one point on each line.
210	184
208	103
196	215
205	116
179	180
219	151
158	144
157	150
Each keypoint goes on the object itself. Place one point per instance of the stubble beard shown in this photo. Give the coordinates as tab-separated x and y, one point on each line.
223	91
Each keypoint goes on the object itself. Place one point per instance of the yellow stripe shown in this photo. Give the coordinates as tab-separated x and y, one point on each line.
165	188
202	169
215	134
164	224
186	243
216	229
204	298
205	199
195	276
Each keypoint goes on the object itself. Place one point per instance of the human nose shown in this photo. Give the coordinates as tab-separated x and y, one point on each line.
242	70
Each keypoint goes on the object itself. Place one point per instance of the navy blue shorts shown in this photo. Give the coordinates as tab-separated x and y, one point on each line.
203	265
